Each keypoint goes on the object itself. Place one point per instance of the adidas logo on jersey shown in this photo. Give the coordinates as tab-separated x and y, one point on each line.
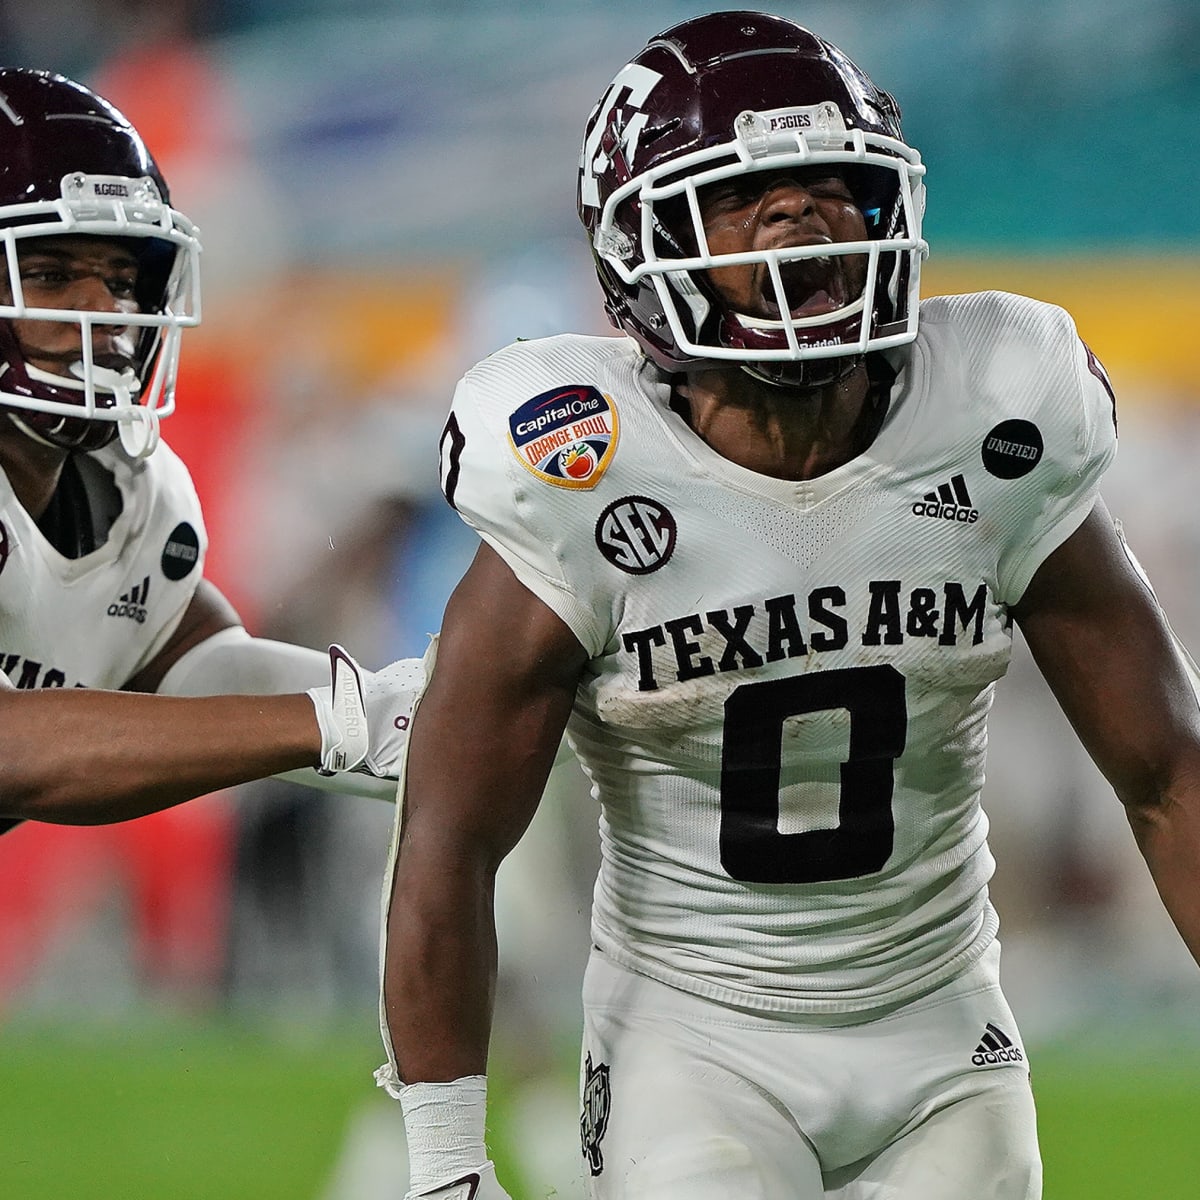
996	1047
951	502
133	603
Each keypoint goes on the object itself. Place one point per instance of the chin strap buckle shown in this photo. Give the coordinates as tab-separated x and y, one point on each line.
136	424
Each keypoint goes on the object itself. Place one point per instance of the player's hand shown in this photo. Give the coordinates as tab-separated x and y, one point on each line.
364	715
479	1184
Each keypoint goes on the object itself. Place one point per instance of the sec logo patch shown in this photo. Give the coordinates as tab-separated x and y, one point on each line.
636	534
566	437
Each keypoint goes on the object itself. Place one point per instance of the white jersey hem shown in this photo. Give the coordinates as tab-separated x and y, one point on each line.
855	1006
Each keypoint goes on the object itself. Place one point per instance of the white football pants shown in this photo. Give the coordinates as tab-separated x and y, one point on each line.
685	1099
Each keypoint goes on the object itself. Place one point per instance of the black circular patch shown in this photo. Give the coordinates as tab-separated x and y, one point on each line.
1012	449
182	551
636	534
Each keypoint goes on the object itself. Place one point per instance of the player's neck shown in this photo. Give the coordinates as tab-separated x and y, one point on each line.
33	469
787	433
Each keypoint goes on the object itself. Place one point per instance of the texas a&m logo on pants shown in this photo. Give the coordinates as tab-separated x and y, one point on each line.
593	1121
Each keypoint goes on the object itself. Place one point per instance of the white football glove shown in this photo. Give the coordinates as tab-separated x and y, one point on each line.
479	1184
365	715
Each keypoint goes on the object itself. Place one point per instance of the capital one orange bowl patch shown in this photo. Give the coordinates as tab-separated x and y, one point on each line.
566	436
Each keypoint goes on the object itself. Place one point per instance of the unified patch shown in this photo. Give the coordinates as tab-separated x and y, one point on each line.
566	437
1012	449
181	553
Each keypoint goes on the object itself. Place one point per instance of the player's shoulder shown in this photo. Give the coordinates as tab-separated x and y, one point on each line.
161	480
556	352
1001	349
988	322
163	463
527	368
1015	371
550	406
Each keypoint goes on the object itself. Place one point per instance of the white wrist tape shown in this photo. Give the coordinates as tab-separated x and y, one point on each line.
444	1124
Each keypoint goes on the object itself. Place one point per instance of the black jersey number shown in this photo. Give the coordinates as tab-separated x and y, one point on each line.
752	848
450	447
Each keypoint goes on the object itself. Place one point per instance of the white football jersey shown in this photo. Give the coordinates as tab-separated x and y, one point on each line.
784	713
95	621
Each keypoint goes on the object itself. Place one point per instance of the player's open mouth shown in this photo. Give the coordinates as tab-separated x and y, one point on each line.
815	289
812	287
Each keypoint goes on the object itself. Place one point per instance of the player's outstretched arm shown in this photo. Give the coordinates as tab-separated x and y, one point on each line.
84	757
1104	646
483	742
210	654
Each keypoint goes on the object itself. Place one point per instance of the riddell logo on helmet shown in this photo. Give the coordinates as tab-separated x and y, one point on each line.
112	189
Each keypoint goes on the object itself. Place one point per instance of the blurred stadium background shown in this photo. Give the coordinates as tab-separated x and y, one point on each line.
187	1003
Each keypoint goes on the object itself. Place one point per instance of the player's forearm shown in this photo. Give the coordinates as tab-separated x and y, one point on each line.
90	757
439	976
1168	835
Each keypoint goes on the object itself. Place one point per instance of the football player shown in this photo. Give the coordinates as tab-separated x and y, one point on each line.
102	540
762	558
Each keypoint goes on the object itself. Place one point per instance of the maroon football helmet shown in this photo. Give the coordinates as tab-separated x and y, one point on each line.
71	164
722	96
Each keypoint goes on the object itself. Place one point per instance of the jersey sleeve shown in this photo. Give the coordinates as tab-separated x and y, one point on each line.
483	482
1075	409
176	517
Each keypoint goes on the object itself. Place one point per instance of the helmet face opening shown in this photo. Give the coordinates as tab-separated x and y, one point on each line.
719	99
71	167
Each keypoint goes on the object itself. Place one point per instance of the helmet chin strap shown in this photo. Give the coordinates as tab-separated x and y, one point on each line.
15	418
806	375
136	424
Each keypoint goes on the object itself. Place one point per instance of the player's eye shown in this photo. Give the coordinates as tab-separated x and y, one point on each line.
722	197
44	276
122	287
831	187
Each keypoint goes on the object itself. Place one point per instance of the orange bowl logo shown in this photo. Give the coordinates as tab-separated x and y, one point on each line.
579	461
